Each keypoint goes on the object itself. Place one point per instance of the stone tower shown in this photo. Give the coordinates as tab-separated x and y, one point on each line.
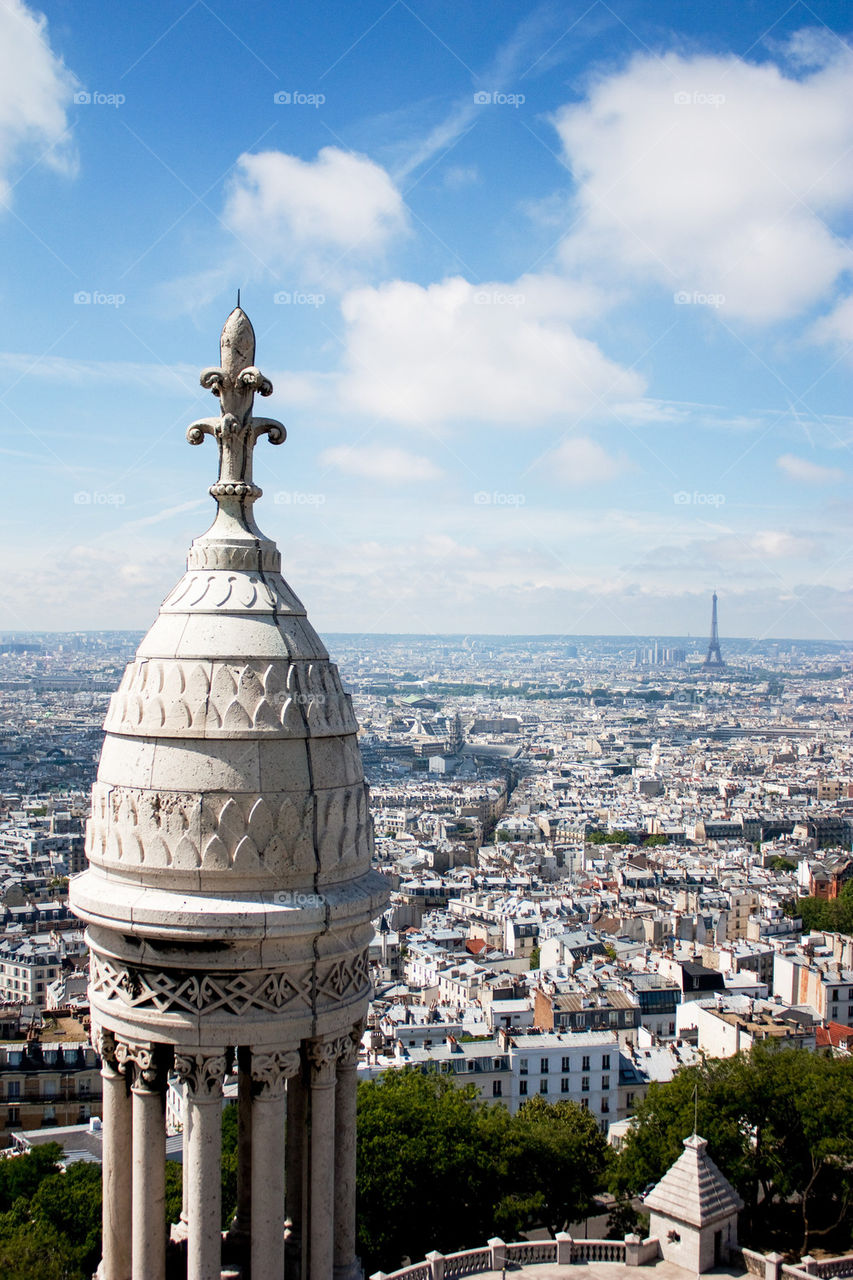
228	901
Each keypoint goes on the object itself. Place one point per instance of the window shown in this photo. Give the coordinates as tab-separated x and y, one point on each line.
605	1082
605	1104
522	1088
629	1099
543	1066
543	1086
564	1085
585	1084
522	1066
585	1063
605	1062
585	1103
497	1088
13	1089
835	994
567	1066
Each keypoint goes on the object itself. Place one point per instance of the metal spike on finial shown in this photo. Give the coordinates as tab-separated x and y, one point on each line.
236	430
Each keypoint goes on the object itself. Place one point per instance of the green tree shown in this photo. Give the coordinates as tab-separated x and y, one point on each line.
440	1169
535	957
779	1123
819	914
71	1203
21	1177
563	1142
35	1251
423	1174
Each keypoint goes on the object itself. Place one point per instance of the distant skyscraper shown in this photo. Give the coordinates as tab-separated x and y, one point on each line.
714	657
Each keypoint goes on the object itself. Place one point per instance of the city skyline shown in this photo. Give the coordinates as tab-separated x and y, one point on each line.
555	305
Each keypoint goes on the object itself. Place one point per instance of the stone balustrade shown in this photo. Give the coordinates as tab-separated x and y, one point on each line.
498	1255
632	1252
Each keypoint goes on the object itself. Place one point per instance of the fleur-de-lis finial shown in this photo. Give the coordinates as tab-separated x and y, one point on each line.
236	430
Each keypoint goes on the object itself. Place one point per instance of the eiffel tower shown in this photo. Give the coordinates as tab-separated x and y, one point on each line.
714	658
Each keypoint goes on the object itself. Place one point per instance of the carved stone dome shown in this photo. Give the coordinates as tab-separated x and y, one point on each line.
229	889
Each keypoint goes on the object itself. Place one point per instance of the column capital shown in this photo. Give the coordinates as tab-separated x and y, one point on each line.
323	1055
202	1072
147	1061
351	1045
106	1047
270	1071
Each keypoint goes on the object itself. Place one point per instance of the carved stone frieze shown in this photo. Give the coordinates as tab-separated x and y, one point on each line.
236	994
174	698
237	558
252	834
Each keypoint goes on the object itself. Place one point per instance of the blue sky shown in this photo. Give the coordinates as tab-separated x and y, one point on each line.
556	299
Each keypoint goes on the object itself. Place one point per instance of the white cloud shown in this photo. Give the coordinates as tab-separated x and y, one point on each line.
282	205
396	466
581	462
764	544
837	326
454	351
35	90
806	472
716	176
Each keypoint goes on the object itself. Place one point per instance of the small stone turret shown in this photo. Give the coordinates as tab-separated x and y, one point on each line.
693	1210
229	895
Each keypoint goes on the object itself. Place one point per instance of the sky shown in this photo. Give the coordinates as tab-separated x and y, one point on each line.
556	298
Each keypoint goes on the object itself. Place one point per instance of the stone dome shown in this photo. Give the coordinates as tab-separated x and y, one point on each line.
229	889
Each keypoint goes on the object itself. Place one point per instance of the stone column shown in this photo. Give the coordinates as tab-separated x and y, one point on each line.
148	1228
294	1176
115	1262
203	1073
345	1262
269	1075
322	1057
